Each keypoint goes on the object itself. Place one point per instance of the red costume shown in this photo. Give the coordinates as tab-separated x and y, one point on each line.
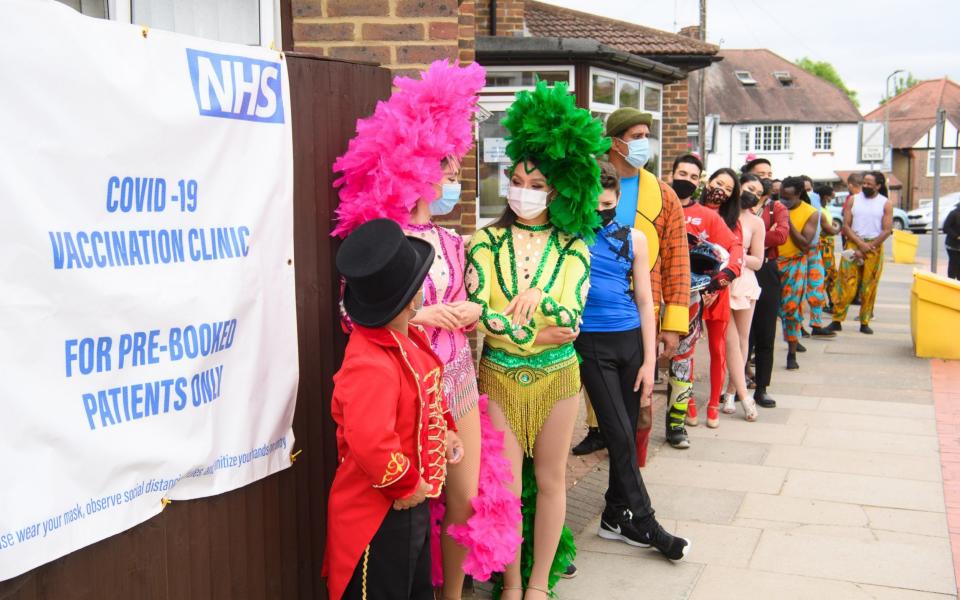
705	222
392	422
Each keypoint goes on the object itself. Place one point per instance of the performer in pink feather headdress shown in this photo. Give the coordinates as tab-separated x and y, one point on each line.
404	165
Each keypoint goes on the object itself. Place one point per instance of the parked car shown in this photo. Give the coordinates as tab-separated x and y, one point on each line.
921	218
900	218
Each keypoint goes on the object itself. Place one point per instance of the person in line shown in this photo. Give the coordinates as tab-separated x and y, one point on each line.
651	206
703	222
617	346
412	187
816	272
828	246
763	329
792	262
867	223
744	293
529	271
395	433
854	187
951	230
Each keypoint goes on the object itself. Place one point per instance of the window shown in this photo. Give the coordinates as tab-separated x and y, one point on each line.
823	138
769	138
948	162
491	174
784	77
652	95
603	89
521	78
251	22
629	93
745	77
744	140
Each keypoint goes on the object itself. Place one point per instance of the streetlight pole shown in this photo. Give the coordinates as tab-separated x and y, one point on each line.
886	125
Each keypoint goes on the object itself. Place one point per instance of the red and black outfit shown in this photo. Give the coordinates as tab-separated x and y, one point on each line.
706	223
763	331
392	421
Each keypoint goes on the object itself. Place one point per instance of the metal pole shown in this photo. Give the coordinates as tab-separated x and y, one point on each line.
702	94
887	149
935	222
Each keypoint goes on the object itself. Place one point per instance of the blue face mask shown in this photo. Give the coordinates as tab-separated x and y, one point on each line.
814	199
449	196
638	152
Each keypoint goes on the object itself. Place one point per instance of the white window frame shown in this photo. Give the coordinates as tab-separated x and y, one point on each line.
786	135
603	106
820	134
945	154
632	80
606	109
493	104
512	89
744	136
270	36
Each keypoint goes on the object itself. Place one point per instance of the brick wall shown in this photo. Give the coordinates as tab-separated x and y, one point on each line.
509	17
402	35
674	134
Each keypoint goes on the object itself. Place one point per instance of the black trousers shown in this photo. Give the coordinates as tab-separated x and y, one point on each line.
609	371
396	565
953	266
763	330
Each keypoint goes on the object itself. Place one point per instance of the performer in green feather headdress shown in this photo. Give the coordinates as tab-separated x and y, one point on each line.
529	272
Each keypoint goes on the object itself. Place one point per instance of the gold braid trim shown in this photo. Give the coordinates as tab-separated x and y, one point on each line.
527	406
363	583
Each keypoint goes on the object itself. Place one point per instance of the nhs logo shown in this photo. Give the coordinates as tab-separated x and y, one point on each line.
236	87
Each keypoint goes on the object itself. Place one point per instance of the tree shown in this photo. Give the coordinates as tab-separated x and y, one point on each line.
903	84
827	72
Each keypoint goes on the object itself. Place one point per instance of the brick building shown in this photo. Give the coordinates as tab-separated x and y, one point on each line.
912	136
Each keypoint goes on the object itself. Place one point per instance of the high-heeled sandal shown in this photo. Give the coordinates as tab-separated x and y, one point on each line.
713	417
749	409
729	405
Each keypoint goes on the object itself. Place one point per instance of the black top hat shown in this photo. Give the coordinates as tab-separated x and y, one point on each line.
384	270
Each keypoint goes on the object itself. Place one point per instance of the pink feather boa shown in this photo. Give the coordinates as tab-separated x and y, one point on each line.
492	534
394	159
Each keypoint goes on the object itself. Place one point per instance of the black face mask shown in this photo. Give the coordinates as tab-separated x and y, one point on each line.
748	199
607	215
683	188
869	192
775	196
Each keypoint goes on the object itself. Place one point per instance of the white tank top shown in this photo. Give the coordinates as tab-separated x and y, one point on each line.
868	215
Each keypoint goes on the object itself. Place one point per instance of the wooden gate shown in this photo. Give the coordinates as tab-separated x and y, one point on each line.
265	540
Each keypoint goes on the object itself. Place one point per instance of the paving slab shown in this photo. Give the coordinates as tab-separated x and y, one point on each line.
724	545
858	462
758	431
724	450
865	489
872	441
628	577
688	503
908	521
715	475
879	408
862	422
801	511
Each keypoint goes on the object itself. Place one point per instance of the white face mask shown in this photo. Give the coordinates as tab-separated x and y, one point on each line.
525	203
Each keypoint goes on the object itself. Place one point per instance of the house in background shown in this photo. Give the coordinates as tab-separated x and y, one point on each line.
609	64
913	120
759	103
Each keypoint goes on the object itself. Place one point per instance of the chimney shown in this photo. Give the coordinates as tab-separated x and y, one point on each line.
690	31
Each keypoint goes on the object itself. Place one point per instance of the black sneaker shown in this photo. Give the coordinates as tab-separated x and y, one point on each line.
834	326
762	399
822	332
652	534
590	444
571	571
864	328
801	347
620	527
792	364
804	333
677	437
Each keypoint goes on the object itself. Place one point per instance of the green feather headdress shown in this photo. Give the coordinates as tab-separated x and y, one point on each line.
548	129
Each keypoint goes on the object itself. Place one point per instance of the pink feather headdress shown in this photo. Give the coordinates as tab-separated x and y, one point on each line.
394	160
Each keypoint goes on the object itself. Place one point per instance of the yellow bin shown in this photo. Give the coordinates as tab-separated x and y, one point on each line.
935	316
905	247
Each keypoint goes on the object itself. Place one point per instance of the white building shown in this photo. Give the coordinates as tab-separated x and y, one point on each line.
760	104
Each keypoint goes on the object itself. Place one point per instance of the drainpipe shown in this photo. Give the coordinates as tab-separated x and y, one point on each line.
493	18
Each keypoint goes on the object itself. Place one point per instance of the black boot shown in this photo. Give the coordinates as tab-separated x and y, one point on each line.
762	399
590	444
823	332
792	364
864	328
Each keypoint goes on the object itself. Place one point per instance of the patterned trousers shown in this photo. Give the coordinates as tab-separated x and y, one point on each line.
853	276
814	290
828	252
680	386
793	280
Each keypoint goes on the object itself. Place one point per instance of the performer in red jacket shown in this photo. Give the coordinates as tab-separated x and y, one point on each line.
395	433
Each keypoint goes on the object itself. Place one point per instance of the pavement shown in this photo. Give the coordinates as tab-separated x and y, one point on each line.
841	492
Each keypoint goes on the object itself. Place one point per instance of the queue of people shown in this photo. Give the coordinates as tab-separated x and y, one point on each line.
595	271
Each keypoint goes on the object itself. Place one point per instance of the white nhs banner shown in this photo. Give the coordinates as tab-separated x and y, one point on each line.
236	87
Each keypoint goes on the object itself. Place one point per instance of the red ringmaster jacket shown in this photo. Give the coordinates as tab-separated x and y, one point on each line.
392	421
706	223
